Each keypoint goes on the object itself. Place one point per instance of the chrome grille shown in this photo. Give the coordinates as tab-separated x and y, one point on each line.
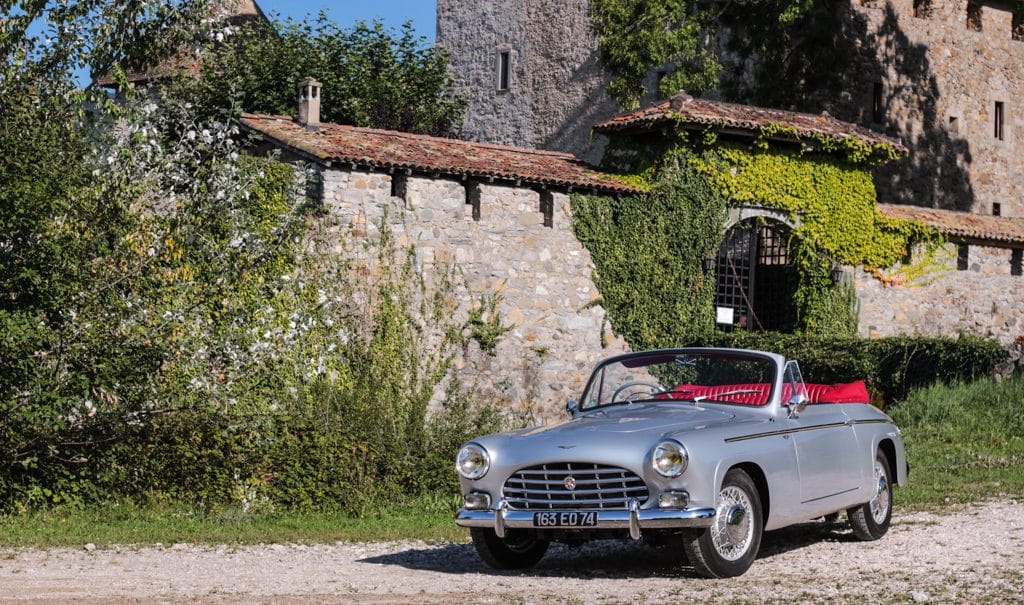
596	487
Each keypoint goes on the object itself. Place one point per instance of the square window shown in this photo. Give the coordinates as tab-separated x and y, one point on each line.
974	15
504	70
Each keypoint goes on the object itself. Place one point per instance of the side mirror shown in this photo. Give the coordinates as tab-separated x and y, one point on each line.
797	404
570	407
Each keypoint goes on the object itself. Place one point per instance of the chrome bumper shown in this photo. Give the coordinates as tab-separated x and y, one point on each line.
634	519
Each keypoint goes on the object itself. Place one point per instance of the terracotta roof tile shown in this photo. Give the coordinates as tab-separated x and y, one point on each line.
387	149
744	117
996	230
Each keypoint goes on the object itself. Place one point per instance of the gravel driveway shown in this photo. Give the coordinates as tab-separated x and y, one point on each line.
974	555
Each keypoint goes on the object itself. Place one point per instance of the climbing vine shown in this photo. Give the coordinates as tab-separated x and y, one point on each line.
823	186
648	252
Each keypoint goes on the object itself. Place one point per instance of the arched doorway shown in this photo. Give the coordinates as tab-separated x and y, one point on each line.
756	277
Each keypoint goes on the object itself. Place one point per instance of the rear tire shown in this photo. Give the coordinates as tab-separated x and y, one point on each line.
728	548
870	521
514	551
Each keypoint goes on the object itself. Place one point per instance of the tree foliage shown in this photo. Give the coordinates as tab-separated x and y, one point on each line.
779	53
371	76
171	325
636	37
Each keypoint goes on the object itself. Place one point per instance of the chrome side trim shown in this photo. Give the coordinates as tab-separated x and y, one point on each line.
830	425
655	518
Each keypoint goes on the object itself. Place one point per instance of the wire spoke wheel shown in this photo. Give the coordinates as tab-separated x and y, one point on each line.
728	548
882	500
733	528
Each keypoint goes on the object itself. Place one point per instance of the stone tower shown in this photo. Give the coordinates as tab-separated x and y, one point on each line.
530	70
944	76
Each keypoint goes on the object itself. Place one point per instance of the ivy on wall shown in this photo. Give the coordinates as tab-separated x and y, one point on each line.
823	186
648	252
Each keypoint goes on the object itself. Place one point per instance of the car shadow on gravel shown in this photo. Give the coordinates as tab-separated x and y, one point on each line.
605	559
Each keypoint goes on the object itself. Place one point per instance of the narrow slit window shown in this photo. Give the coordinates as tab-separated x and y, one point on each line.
504	70
999	120
877	103
547	208
954	125
962	257
997	209
399	185
1017	262
473	200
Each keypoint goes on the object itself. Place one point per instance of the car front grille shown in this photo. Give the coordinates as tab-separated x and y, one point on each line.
595	486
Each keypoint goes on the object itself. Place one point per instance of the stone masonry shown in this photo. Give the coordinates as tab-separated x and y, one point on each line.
938	81
556	90
984	298
497	238
941	79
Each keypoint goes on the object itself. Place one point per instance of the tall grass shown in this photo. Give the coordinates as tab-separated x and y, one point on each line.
965	442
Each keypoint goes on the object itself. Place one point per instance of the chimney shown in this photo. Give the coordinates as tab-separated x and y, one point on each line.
309	104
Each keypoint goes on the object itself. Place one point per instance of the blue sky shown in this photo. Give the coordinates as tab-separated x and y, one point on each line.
423	13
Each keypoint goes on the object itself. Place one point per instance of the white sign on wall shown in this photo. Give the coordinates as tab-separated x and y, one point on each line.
725	315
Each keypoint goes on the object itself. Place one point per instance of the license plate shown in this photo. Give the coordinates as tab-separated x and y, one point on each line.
565	519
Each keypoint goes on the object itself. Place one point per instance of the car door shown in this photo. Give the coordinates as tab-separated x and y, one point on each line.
826	448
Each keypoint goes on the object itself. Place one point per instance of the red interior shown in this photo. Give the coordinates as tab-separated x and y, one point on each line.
853	392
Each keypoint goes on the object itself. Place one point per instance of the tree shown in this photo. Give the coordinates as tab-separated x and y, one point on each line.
371	76
779	53
636	37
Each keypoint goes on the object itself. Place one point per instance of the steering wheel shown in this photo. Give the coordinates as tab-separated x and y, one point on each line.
637	383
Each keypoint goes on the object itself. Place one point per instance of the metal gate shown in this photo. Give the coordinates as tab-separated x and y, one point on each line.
756	277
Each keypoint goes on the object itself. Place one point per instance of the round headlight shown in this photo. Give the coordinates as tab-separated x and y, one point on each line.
670	458
473	461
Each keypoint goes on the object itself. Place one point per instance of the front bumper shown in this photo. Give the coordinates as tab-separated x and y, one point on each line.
634	519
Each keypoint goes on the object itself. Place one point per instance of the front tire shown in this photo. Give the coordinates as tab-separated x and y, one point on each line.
870	521
514	551
728	548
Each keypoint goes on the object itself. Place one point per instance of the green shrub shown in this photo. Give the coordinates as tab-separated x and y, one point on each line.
891	366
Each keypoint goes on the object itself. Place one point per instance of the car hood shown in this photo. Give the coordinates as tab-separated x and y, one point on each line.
610	431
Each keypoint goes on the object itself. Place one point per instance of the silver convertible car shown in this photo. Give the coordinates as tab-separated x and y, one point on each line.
700	448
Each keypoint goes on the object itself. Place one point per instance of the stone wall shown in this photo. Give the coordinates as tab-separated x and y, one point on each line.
557	89
985	298
503	242
940	83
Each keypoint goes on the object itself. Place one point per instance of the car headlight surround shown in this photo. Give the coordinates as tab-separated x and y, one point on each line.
473	461
669	458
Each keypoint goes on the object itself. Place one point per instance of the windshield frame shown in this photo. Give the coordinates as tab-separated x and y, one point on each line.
777	362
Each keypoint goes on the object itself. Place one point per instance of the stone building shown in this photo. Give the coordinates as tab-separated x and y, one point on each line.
530	71
976	286
944	76
500	214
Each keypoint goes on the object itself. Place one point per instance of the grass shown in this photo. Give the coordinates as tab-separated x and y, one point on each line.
965	443
127	524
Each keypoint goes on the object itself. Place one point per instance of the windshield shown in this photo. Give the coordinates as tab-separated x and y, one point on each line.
719	376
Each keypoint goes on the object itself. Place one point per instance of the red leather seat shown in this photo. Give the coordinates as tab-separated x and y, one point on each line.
853	392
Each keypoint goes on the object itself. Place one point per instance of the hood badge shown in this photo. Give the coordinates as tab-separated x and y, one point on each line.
569	483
